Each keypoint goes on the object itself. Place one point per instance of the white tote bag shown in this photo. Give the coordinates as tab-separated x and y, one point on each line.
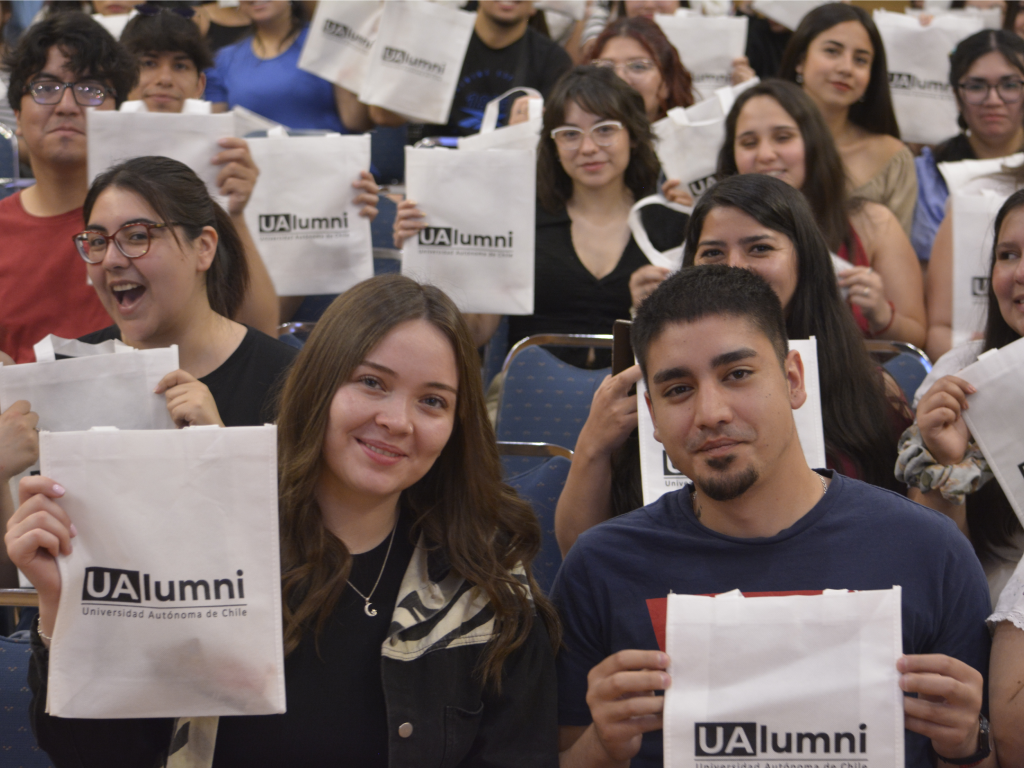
784	680
918	59
707	45
339	41
114	137
973	217
657	473
171	598
788	13
521	136
481	221
301	215
996	416
416	59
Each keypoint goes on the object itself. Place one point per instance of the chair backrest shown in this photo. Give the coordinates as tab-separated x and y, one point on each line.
544	400
8	160
541	486
904	362
17	743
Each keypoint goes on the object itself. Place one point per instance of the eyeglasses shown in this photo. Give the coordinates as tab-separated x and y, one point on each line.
152	9
603	134
634	67
132	240
976	91
86	93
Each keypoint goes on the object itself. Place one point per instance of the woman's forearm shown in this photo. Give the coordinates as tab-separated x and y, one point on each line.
586	498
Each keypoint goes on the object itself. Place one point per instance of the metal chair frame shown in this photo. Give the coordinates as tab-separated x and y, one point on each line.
524	449
603	341
892	349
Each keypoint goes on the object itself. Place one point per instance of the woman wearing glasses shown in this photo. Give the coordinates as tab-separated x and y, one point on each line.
837	56
169	267
987	70
594	161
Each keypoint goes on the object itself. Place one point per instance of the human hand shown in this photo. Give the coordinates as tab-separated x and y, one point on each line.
37	533
867	291
620	694
674	192
643	282
940	419
409	220
948	702
238	175
19	440
741	70
520	111
612	413
189	401
369	195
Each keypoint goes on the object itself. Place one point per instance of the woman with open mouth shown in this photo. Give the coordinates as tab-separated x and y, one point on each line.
170	268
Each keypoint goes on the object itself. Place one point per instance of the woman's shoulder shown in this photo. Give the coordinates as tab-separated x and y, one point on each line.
874	224
274	351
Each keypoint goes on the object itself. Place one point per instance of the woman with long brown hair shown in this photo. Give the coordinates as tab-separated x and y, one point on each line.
414	631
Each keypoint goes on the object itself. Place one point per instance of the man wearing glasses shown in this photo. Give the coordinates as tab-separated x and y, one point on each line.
59	68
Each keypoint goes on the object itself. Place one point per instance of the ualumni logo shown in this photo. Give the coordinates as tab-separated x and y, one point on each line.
904	81
745	739
467	243
293	222
106	585
402	58
346	33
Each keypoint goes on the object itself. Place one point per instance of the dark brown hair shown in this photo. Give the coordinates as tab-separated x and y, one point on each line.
991	519
678	80
600	92
167	32
972	48
874	111
855	410
89	48
177	195
461	506
824	175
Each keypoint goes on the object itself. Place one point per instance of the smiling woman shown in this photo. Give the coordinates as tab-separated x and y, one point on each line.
169	267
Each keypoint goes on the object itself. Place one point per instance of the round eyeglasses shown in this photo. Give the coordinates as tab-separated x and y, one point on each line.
976	91
633	67
86	93
132	240
603	134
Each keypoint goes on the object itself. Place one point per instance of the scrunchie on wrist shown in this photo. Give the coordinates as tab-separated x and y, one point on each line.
915	466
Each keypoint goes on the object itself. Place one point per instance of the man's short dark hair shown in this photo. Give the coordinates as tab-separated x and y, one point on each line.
167	32
89	48
695	293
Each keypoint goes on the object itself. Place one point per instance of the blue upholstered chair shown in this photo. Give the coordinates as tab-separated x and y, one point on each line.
907	364
541	486
544	399
17	743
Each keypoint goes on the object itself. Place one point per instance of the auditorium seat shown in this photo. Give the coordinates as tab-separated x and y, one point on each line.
907	364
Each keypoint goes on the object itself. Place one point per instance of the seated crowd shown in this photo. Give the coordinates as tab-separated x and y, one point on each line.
821	222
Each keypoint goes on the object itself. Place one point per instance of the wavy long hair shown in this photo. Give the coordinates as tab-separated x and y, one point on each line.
460	507
824	175
600	92
874	111
677	78
990	517
854	406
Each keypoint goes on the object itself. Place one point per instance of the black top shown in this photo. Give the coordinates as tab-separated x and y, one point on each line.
220	35
568	299
765	46
533	60
245	386
952	150
336	710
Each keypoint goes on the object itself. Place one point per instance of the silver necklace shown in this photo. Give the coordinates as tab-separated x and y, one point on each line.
373	612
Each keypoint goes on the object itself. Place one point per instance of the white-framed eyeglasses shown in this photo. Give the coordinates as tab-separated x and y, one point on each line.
603	134
634	67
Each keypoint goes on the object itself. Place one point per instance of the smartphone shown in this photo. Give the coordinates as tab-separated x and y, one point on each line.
622	349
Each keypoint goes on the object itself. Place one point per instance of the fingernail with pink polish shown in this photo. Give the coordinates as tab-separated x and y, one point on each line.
58	489
74	531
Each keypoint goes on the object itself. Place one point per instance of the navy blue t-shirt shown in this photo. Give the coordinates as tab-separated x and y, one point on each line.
858	537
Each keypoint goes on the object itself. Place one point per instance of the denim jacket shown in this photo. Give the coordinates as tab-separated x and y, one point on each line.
438	711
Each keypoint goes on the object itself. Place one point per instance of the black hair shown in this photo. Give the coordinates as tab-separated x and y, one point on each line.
990	517
824	184
601	92
89	48
972	48
855	409
692	295
167	32
177	195
874	111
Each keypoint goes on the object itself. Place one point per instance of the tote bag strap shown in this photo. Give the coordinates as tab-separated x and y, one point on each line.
490	118
671	259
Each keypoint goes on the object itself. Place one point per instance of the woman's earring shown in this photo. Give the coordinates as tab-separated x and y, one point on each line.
799	78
